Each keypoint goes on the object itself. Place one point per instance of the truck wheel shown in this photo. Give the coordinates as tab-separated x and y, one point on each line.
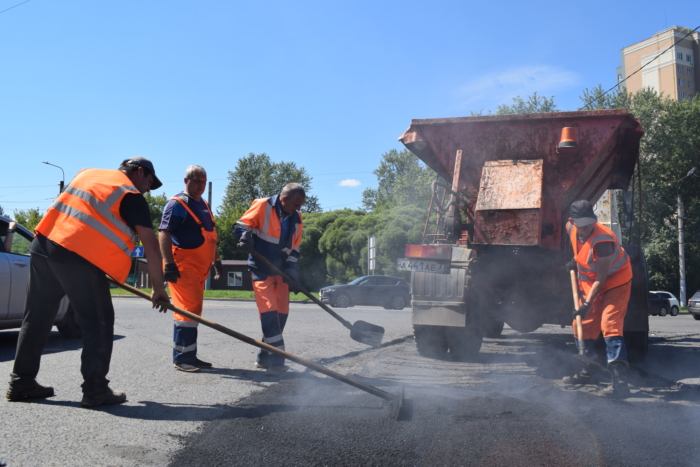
431	341
491	327
68	327
637	343
465	343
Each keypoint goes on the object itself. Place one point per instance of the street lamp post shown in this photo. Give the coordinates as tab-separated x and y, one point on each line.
681	249
63	177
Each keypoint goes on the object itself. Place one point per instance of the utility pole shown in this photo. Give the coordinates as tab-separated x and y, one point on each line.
63	177
207	284
681	249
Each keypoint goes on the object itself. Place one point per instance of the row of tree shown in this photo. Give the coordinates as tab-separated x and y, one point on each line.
334	248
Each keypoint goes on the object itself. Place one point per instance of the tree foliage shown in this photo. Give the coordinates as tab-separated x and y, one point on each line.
402	179
156	205
29	218
532	104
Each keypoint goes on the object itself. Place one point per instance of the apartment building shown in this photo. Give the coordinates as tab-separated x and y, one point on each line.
673	72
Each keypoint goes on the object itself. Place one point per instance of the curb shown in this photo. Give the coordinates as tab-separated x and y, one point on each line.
220	299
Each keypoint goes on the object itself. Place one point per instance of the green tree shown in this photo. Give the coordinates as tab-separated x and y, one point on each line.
156	205
533	104
29	218
402	179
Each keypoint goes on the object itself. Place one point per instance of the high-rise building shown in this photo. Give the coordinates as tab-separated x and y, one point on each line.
672	72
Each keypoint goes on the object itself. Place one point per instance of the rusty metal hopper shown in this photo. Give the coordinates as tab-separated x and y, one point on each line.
518	186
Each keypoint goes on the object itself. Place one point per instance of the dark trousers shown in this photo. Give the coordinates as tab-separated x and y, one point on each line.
88	291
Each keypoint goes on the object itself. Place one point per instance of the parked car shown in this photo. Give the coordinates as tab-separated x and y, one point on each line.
694	305
675	304
393	293
658	304
14	275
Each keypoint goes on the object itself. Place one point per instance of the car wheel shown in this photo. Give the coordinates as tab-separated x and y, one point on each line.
342	301
674	311
431	341
397	302
662	311
68	327
696	317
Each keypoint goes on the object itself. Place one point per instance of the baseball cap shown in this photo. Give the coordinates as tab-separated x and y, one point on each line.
582	213
146	164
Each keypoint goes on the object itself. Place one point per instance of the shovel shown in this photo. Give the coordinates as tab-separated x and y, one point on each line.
581	357
361	331
401	408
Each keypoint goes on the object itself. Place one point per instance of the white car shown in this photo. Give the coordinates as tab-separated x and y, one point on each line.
675	305
14	276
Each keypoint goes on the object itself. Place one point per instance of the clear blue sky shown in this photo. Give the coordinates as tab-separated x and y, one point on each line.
328	85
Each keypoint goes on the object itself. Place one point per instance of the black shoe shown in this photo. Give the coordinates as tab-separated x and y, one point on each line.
19	390
582	377
188	367
262	365
201	364
107	397
619	388
276	370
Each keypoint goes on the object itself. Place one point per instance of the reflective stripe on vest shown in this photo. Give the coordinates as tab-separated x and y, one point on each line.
620	270
85	219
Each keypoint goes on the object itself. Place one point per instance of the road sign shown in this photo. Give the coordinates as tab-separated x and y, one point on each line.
138	252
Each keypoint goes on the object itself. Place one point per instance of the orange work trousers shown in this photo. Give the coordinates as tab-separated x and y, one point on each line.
194	266
607	313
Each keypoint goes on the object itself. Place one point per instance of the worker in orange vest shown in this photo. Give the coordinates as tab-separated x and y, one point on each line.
272	227
88	231
605	276
188	244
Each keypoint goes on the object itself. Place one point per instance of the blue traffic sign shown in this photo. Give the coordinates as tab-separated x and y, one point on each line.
138	252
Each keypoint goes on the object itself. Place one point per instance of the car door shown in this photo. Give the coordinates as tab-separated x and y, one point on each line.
384	290
362	293
5	283
18	261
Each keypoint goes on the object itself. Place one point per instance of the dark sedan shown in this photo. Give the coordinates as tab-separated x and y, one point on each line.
393	293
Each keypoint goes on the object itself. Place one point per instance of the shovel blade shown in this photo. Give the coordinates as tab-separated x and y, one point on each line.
367	333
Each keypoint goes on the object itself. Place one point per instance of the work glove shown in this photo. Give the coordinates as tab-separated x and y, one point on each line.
219	267
582	310
245	244
571	265
293	284
171	274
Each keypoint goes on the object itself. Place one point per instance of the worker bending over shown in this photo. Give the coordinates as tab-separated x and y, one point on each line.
605	275
88	231
188	244
272	227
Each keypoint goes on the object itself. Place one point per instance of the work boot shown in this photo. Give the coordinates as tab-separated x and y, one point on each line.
107	397
582	377
276	370
262	365
619	388
201	363
24	389
188	367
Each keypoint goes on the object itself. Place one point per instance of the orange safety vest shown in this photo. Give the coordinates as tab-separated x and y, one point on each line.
85	219
620	271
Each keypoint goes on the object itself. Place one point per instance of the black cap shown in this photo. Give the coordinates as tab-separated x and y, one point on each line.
582	213
146	164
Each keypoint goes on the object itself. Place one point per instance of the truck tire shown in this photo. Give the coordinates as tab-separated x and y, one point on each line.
491	327
637	343
68	327
431	341
465	343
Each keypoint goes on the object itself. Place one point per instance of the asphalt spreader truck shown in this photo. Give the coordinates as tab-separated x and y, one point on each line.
495	245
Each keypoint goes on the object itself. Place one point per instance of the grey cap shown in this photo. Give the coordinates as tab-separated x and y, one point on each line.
146	164
582	213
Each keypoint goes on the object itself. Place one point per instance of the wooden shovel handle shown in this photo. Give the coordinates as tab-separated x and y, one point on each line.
579	322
